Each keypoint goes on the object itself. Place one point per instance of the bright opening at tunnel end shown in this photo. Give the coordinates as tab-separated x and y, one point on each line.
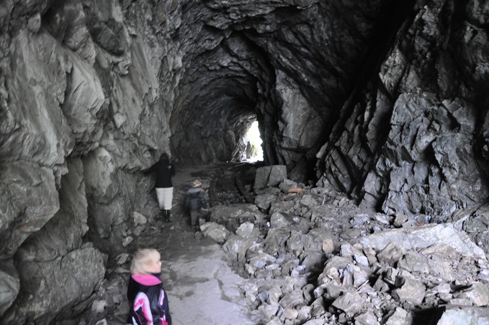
254	151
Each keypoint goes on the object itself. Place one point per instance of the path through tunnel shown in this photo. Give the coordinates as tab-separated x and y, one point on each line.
220	97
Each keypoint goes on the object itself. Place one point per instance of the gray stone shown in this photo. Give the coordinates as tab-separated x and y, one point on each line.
381	286
346	250
484	275
367	318
234	244
315	322
308	201
304	313
275	240
65	230
29	201
478	293
412	291
290	313
274	295
233	216
391	254
292	299
414	262
34	23
361	259
461	302
350	302
442	288
333	267
268	310
282	206
247	230
308	293
215	231
400	219
360	274
269	176
279	220
399	317
264	201
299	242
464	315
286	185
318	308
359	220
261	260
423	237
80	271
139	219
313	261
442	268
9	285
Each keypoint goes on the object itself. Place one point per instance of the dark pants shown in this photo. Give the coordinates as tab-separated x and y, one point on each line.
194	216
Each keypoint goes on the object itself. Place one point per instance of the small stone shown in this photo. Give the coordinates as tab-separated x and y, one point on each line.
412	290
327	246
478	293
290	313
126	241
399	317
350	302
98	306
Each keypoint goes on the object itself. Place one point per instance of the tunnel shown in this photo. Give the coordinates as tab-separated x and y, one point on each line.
220	97
367	107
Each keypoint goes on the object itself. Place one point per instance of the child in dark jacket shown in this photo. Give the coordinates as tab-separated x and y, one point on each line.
147	298
195	201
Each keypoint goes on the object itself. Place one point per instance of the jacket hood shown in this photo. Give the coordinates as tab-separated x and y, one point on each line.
146	279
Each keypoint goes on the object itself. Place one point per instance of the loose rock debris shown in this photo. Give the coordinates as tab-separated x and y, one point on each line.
317	259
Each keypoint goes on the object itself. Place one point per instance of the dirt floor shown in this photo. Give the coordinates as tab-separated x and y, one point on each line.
201	286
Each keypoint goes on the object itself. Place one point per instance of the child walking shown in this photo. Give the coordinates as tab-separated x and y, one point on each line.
147	298
195	201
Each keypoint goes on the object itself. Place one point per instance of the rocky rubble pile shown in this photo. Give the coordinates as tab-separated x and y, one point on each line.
317	259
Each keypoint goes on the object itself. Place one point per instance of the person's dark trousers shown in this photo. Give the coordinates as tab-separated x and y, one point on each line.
194	216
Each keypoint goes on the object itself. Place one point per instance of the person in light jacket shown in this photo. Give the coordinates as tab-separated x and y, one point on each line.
195	201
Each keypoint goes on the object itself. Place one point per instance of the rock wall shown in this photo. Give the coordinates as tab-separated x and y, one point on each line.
81	112
422	118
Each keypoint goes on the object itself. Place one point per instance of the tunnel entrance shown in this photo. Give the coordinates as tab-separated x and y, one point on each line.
252	138
250	145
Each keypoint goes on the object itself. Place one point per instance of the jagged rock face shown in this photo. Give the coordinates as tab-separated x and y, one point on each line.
423	118
383	101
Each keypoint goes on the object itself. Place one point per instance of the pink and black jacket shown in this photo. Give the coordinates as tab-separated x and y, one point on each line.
148	301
